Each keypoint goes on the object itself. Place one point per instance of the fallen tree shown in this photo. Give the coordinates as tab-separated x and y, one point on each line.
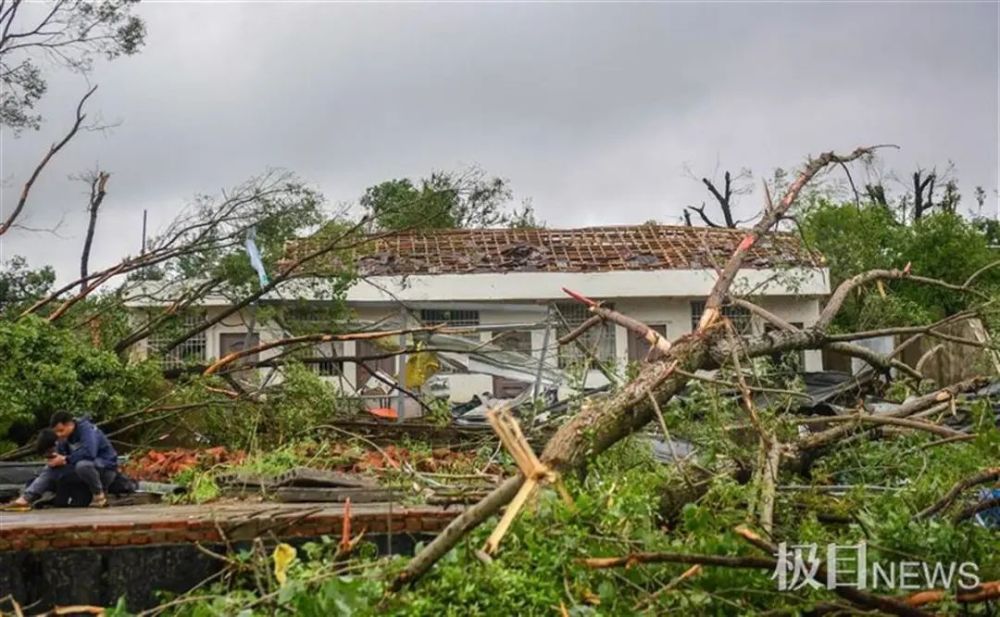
602	422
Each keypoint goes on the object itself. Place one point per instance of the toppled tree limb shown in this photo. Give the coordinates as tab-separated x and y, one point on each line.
769	482
601	424
734	385
748	561
851	594
580	330
984	593
874	359
973	509
908	408
654	338
469	519
986	475
937	429
855	596
314	338
674	582
220	228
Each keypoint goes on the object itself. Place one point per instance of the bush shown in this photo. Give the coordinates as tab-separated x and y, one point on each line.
46	368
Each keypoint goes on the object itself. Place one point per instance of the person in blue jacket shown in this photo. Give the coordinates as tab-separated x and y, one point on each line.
79	448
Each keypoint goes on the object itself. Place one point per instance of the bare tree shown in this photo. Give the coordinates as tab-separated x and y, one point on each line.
54	149
723	198
98	189
923	192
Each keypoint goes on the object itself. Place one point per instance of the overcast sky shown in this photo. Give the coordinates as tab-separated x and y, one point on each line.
594	112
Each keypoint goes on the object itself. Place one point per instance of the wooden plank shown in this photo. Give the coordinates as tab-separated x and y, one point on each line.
309	477
296	494
244	479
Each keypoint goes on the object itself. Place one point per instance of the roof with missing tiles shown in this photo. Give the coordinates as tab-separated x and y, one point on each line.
589	249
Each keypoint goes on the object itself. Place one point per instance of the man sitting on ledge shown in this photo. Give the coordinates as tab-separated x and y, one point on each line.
74	447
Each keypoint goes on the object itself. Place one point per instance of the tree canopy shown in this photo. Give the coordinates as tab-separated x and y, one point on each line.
445	200
65	32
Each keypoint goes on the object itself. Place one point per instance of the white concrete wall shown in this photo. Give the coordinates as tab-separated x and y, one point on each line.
531	286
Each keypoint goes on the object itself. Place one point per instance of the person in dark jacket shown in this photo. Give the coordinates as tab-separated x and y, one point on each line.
79	448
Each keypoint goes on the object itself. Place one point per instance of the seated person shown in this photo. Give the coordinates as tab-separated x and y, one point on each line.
74	448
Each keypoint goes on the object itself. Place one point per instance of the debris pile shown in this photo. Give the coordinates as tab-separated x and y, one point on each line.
162	465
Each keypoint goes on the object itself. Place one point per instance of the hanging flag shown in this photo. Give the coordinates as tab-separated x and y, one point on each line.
254	253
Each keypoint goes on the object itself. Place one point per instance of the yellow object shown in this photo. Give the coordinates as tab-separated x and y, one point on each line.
284	555
535	472
420	366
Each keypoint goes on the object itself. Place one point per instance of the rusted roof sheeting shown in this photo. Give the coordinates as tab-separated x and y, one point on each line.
590	249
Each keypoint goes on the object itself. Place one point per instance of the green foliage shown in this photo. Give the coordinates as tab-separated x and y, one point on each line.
46	368
444	201
288	410
941	245
277	206
200	484
538	569
302	402
78	30
20	286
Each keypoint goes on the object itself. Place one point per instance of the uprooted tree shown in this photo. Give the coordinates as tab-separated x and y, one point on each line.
601	422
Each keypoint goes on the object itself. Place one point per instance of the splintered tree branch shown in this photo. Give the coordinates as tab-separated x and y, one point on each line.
600	424
908	408
987	475
770	218
936	429
316	338
984	593
749	561
654	338
98	189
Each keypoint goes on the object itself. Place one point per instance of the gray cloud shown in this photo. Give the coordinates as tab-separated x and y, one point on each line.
593	111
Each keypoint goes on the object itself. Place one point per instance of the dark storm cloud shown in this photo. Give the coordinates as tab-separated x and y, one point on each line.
593	111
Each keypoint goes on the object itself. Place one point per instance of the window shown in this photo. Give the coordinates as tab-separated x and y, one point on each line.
739	316
598	341
453	318
310	319
191	350
325	362
513	340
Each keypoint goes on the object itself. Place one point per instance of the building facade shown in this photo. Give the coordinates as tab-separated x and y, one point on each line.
505	287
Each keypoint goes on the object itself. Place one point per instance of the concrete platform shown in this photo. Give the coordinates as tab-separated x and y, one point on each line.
219	522
97	556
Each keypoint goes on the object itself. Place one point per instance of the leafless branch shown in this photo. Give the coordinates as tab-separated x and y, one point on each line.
53	150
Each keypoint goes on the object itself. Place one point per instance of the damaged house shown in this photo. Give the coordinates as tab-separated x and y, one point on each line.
503	287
